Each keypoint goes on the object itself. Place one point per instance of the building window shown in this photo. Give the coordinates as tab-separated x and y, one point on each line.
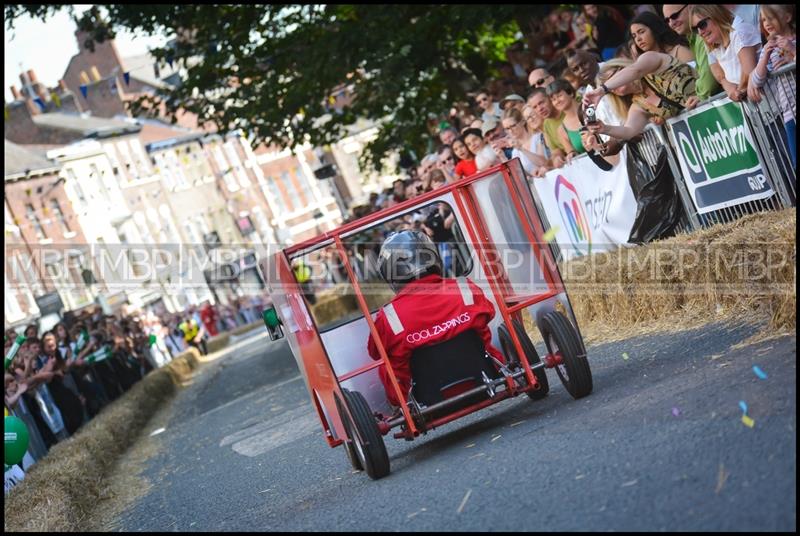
101	183
277	196
34	219
236	164
305	185
54	206
76	187
291	190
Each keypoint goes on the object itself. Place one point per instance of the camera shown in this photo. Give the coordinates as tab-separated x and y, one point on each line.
591	117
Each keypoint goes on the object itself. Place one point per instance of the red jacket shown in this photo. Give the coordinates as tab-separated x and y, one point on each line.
427	311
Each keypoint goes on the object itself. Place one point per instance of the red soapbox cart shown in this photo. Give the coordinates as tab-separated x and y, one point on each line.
498	244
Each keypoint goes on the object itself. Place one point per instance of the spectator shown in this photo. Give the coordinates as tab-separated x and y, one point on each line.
584	66
562	95
32	331
485	157
447	134
512	101
526	146
708	73
68	402
540	77
490	108
670	80
736	49
535	123
612	109
552	119
495	136
466	159
606	26
781	48
446	162
650	32
209	318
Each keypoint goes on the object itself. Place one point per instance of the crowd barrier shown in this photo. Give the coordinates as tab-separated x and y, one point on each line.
764	122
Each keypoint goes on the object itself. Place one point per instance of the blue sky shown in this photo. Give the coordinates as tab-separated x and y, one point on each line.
47	47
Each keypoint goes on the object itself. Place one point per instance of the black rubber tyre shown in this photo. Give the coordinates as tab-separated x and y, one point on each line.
372	451
507	347
560	336
349	447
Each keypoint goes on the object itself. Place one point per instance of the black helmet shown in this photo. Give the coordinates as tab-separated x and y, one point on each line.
406	256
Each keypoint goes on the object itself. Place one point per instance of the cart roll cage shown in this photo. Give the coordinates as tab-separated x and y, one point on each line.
474	210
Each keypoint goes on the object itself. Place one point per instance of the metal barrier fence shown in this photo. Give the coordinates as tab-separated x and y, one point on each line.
766	121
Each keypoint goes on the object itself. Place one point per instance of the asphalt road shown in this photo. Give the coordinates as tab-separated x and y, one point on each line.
659	445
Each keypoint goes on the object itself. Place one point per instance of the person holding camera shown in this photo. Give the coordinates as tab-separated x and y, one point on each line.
562	95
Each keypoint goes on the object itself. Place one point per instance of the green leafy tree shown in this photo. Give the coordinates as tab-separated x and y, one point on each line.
271	70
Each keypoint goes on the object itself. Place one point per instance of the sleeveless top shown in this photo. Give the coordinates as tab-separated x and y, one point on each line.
575	140
674	85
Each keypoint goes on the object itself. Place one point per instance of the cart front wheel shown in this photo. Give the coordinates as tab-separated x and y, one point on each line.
367	442
560	337
508	349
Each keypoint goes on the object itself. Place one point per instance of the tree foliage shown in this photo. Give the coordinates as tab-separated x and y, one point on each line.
271	69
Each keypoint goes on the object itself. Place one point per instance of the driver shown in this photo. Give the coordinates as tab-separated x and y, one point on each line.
427	309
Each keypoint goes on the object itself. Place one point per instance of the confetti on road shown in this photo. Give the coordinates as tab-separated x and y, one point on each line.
495	438
676	412
748	421
721	478
409	516
551	234
156	432
516	424
760	373
464	501
631	483
478	455
470	446
578	477
743	405
625	356
265	490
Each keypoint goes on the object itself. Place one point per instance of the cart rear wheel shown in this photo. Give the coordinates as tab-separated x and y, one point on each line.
507	346
349	446
560	337
371	453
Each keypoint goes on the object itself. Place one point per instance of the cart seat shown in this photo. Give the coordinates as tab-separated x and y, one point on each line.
441	371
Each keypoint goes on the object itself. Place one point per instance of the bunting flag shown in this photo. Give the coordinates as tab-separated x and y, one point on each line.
55	98
170	60
40	102
84	90
127	77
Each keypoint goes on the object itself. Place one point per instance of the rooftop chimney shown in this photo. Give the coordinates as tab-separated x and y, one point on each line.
32	76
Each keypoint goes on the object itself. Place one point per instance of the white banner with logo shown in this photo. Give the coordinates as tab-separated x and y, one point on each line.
590	209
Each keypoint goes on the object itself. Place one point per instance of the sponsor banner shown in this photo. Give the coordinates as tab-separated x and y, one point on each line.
717	157
589	209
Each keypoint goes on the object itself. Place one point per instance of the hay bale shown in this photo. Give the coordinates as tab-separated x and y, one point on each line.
219	342
745	266
60	489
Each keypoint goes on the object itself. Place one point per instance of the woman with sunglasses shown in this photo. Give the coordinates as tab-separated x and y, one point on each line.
735	49
667	89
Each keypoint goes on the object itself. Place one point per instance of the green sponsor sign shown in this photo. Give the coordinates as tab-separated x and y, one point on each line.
720	136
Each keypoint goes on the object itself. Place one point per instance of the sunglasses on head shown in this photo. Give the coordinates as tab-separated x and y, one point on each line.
700	26
675	15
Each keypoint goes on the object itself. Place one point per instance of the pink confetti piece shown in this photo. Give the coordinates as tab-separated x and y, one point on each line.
676	412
